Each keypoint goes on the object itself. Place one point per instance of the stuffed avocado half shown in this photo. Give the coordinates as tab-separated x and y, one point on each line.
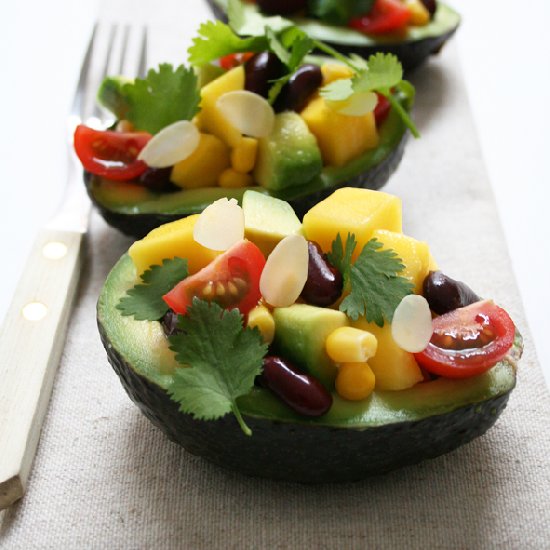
320	369
249	113
411	29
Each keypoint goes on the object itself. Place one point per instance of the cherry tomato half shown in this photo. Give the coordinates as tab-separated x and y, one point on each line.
233	60
468	341
232	280
110	154
382	109
386	16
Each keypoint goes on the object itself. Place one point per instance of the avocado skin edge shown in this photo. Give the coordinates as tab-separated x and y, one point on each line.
411	53
304	453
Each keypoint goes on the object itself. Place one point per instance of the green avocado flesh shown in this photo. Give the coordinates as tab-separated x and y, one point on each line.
445	20
144	348
135	209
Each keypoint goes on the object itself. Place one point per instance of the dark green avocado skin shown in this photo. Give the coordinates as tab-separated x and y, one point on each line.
305	453
411	53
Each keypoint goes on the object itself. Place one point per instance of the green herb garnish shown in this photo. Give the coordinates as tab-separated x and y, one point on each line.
144	301
373	281
223	358
162	98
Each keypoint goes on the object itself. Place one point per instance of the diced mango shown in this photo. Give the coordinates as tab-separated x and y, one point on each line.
335	71
204	166
415	255
210	119
169	241
341	138
243	155
352	210
231	179
261	318
419	14
394	368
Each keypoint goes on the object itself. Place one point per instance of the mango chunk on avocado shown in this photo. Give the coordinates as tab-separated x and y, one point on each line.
341	138
300	334
394	368
289	156
268	220
415	255
168	241
352	210
204	166
210	119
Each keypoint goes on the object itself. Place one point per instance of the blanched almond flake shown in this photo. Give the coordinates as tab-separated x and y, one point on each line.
359	104
171	145
220	225
285	272
249	113
412	324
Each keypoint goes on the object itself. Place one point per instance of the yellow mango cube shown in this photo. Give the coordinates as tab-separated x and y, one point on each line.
394	368
204	166
419	14
352	210
415	255
341	138
169	241
210	119
335	71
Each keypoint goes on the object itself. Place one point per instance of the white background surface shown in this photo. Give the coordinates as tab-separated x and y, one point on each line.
505	60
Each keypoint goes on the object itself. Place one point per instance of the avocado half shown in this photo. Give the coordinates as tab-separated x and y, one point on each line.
352	441
135	210
412	50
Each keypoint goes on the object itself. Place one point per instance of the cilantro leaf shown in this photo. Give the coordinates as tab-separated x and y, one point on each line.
144	301
246	20
223	359
162	98
384	71
216	39
374	284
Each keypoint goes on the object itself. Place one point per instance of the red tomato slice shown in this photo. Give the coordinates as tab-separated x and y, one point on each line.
386	16
382	109
468	341
232	280
233	60
110	154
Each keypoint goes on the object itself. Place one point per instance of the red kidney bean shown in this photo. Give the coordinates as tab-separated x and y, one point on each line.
445	294
281	7
157	179
169	323
324	282
301	392
260	70
301	86
430	5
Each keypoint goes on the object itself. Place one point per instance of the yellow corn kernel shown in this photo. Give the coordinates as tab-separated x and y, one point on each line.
419	15
354	381
231	179
261	317
243	155
335	71
350	345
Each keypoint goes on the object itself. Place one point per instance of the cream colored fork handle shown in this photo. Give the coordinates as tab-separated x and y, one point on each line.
31	341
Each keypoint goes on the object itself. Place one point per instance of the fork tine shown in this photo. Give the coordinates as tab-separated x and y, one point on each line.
142	64
123	49
96	110
78	100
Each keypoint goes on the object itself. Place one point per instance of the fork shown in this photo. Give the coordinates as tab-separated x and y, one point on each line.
33	333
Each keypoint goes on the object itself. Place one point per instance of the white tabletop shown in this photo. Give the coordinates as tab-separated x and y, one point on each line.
507	74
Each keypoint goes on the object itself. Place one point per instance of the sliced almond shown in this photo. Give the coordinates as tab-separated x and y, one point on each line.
285	272
359	104
412	324
220	225
249	113
171	145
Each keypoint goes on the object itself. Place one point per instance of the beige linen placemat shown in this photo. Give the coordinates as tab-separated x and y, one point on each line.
104	477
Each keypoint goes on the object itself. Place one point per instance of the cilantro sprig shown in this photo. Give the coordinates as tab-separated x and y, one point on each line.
373	281
165	96
223	360
144	301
